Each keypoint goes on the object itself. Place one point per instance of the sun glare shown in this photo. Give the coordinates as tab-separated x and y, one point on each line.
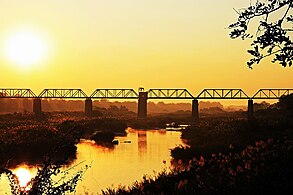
25	49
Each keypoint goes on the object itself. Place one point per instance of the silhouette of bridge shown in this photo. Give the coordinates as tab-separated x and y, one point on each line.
143	96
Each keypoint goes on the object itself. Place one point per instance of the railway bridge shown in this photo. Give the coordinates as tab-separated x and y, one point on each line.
143	96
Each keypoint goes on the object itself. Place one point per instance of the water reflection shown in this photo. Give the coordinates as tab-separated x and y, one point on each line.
139	153
142	143
148	152
23	175
33	154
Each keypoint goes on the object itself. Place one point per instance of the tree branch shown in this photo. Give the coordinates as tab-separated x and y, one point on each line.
271	37
268	12
282	19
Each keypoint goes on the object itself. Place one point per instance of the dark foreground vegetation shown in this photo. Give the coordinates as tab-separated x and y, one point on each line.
211	136
263	168
25	139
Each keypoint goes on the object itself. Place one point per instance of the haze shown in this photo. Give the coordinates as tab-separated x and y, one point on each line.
132	43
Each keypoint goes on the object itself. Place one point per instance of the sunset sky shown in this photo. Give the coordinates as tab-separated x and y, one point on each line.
131	43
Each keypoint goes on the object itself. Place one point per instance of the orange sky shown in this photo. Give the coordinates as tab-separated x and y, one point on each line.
132	43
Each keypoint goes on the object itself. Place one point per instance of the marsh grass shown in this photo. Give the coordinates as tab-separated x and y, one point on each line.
213	135
262	168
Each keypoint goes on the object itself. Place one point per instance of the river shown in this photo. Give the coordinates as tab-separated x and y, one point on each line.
139	153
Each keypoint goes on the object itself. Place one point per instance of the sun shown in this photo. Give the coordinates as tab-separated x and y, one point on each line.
25	48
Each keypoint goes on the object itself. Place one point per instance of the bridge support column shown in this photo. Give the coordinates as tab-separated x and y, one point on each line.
250	110
88	107
142	104
194	111
37	106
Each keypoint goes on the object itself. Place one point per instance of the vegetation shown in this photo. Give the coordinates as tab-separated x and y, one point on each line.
285	103
49	178
52	143
262	168
24	139
211	135
272	35
159	121
33	141
215	135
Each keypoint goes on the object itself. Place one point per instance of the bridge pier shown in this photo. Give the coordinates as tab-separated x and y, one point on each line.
250	110
88	107
142	104
194	110
37	106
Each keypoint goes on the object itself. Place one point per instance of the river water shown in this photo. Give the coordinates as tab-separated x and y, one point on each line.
139	153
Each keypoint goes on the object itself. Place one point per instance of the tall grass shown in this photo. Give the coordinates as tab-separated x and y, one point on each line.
263	168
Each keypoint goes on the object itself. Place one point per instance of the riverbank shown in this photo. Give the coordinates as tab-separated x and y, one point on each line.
228	156
25	139
263	168
211	136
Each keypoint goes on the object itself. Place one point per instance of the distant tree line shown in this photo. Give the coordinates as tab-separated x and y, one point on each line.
48	105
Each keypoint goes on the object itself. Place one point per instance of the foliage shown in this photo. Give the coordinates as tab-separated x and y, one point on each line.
272	36
286	104
103	137
212	135
44	184
262	168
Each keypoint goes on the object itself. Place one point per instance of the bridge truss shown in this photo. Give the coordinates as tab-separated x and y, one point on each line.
271	93
152	94
222	94
114	94
62	93
16	93
169	94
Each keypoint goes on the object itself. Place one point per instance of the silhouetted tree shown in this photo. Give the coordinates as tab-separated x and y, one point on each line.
261	106
272	34
286	104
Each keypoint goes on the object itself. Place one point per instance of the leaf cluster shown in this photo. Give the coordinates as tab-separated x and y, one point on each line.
272	36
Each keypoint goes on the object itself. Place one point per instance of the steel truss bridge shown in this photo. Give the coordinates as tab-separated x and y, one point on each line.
151	94
143	96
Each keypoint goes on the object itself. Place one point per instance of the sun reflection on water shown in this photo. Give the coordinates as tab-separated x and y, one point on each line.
24	176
